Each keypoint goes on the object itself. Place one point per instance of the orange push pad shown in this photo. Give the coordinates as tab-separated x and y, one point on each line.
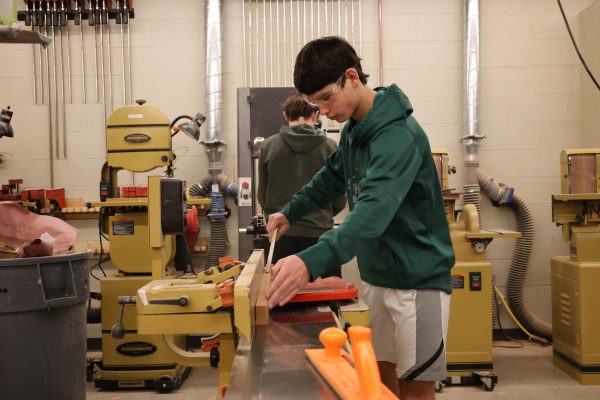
352	378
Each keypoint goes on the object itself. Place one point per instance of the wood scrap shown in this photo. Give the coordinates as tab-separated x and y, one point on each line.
262	306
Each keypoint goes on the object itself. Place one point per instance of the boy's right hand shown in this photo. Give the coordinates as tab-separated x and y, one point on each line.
277	220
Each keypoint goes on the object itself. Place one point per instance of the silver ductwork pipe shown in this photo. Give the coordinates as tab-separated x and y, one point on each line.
472	133
499	194
215	183
471	128
214	74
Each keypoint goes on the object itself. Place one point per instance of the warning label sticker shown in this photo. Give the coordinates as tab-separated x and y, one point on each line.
123	227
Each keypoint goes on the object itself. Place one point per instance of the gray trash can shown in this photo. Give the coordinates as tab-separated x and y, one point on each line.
43	327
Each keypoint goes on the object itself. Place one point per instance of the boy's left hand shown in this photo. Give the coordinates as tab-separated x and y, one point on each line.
288	277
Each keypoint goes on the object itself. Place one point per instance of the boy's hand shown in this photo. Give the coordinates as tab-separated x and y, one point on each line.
277	220
288	277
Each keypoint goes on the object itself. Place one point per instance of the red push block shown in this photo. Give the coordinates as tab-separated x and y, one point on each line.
128	191
37	195
56	194
141	191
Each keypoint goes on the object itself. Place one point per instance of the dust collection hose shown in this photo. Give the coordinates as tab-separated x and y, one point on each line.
94	315
201	188
217	214
500	194
218	242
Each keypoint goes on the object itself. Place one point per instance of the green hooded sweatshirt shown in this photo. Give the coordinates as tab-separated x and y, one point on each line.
396	227
288	160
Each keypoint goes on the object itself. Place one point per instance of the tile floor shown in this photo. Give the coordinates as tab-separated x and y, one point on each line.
526	373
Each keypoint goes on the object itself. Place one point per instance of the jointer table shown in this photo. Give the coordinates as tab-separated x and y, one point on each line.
275	366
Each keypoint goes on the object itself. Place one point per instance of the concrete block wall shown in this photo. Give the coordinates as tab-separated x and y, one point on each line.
530	101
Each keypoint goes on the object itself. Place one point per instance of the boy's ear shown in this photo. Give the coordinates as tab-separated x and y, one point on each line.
285	116
352	75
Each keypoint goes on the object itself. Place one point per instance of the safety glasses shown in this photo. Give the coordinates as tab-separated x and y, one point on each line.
325	98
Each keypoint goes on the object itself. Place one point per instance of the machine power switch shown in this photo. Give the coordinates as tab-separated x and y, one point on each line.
245	192
475	281
105	190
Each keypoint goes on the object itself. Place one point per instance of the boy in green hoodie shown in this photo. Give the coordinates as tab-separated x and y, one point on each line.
396	227
287	161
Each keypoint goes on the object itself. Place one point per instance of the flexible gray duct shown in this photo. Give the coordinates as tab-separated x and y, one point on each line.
216	214
201	188
94	315
217	243
471	195
226	185
500	195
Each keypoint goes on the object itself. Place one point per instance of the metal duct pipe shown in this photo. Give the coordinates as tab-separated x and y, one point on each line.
214	89
214	144
471	131
499	194
471	135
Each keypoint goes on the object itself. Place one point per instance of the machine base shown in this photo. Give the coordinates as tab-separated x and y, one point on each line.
586	374
487	380
167	382
575	324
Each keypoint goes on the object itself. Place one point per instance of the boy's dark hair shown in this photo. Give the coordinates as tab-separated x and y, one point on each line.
322	61
296	106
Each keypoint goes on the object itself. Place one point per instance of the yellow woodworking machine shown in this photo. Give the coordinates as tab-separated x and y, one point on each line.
444	169
575	279
469	344
170	305
142	233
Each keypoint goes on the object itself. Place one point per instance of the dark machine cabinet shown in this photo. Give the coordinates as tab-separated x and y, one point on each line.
259	115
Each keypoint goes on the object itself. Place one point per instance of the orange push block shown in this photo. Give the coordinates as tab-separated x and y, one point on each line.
351	377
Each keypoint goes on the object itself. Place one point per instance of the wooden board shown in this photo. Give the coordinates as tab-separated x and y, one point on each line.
262	307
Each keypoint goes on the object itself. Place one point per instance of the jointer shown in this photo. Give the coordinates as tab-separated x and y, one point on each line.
272	362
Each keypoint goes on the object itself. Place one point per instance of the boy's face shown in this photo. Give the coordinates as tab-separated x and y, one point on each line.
334	100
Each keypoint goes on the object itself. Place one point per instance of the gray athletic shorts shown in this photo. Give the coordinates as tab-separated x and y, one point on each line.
409	329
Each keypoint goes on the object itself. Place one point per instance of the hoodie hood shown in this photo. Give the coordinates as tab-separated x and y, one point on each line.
390	105
302	138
